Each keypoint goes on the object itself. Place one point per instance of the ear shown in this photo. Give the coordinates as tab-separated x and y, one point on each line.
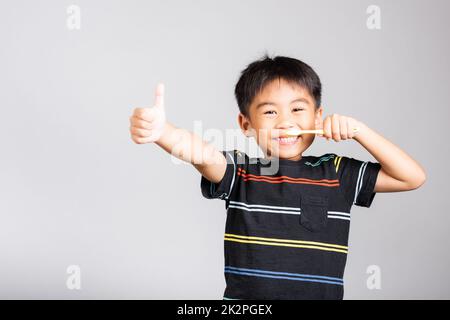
245	125
318	120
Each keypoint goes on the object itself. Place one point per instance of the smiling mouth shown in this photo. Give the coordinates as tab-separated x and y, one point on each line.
287	141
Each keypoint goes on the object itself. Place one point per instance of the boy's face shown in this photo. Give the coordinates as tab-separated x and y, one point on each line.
278	107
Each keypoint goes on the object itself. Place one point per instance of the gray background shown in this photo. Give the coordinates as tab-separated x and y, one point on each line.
75	190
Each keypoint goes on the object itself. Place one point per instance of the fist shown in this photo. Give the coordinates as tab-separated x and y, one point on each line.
147	124
339	127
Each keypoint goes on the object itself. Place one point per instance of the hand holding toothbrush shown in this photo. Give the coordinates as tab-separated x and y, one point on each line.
335	126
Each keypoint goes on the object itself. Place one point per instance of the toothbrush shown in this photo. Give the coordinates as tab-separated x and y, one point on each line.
296	132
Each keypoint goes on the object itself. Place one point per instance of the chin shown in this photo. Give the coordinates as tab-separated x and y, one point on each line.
290	156
284	154
292	150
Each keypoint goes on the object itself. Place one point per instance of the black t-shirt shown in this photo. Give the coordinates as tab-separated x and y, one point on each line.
286	233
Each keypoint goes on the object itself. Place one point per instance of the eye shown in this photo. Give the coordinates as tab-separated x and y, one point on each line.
270	112
299	109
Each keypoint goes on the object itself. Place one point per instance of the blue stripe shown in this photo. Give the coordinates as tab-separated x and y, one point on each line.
326	158
283	273
278	277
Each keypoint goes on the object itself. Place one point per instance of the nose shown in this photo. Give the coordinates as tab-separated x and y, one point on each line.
285	125
285	122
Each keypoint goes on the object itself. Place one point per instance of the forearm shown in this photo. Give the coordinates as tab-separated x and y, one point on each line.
394	161
190	148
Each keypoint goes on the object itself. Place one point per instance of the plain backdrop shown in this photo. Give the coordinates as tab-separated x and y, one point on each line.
75	190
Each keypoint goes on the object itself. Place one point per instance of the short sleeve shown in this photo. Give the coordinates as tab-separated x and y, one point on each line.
357	179
222	189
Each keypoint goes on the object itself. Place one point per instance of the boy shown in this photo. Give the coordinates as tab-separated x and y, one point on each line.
287	231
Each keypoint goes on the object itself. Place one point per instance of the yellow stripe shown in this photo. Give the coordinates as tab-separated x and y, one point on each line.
286	245
285	240
335	159
339	161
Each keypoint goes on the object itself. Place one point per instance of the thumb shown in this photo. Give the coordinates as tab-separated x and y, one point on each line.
159	95
319	125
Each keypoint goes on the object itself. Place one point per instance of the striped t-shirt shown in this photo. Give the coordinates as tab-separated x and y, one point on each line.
286	233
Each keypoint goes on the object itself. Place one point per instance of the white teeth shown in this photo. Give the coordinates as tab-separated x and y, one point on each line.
287	140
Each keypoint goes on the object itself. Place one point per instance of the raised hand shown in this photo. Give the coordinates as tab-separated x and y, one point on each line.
147	124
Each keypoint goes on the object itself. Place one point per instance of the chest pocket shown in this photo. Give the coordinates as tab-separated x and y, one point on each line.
313	212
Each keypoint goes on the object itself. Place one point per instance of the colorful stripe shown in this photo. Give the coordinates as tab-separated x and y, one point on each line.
286	243
323	159
360	180
338	215
234	174
284	275
282	210
264	208
337	161
285	179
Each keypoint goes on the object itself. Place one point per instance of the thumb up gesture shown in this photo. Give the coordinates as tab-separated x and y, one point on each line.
147	124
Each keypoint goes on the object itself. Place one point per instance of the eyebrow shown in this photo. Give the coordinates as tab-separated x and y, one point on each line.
274	104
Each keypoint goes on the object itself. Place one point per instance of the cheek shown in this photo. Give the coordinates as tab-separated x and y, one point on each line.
307	116
264	122
264	136
307	121
264	128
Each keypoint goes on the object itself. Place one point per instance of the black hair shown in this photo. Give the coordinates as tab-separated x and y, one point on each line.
261	72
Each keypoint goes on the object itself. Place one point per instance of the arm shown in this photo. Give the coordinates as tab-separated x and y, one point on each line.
399	172
150	125
190	148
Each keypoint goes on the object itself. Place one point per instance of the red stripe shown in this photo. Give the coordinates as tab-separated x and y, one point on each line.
289	181
248	175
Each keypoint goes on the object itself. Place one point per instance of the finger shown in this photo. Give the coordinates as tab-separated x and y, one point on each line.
335	127
154	136
140	132
318	125
142	124
142	112
159	95
350	132
140	140
327	128
148	114
343	124
136	121
137	112
352	126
